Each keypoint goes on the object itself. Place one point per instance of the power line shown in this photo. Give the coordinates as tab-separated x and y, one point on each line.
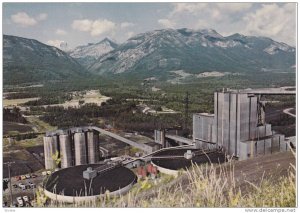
9	175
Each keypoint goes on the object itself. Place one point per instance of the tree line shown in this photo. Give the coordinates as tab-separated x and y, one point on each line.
13	115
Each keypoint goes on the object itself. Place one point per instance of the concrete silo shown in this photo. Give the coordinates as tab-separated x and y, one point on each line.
80	148
93	146
65	150
50	151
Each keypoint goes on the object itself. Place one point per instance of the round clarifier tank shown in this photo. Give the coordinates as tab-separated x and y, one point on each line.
69	185
169	161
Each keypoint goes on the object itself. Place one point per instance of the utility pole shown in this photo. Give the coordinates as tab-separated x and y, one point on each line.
9	176
186	100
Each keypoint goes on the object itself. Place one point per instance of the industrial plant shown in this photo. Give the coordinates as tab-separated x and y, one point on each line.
236	130
238	126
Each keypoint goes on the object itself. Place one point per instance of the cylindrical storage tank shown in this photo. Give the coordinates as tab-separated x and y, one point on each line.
65	151
113	182
80	148
50	150
162	138
93	146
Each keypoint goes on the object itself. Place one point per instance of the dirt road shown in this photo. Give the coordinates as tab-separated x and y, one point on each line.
269	167
287	111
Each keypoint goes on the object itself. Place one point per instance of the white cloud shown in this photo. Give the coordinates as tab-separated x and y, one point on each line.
234	7
23	19
211	15
59	44
55	43
166	23
188	7
216	14
94	27
201	24
102	27
60	32
273	21
130	34
42	17
82	25
195	8
126	24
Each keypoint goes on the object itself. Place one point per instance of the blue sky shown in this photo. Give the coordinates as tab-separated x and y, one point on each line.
82	23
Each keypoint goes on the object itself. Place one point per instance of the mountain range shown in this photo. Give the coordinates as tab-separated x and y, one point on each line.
153	53
195	52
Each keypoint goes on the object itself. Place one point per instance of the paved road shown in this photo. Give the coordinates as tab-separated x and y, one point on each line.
287	111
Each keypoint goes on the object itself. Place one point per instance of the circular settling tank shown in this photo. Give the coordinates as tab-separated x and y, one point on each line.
68	185
171	160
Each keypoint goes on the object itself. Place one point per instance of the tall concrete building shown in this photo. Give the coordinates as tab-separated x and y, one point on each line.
235	127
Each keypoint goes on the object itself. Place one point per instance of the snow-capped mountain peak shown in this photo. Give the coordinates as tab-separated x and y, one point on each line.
276	47
211	33
93	49
62	45
87	54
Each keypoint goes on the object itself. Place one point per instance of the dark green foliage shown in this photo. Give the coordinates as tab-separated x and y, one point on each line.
13	115
50	98
63	118
281	123
25	136
27	60
20	95
122	111
10	128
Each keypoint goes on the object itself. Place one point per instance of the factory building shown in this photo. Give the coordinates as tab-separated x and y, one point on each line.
77	146
237	126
